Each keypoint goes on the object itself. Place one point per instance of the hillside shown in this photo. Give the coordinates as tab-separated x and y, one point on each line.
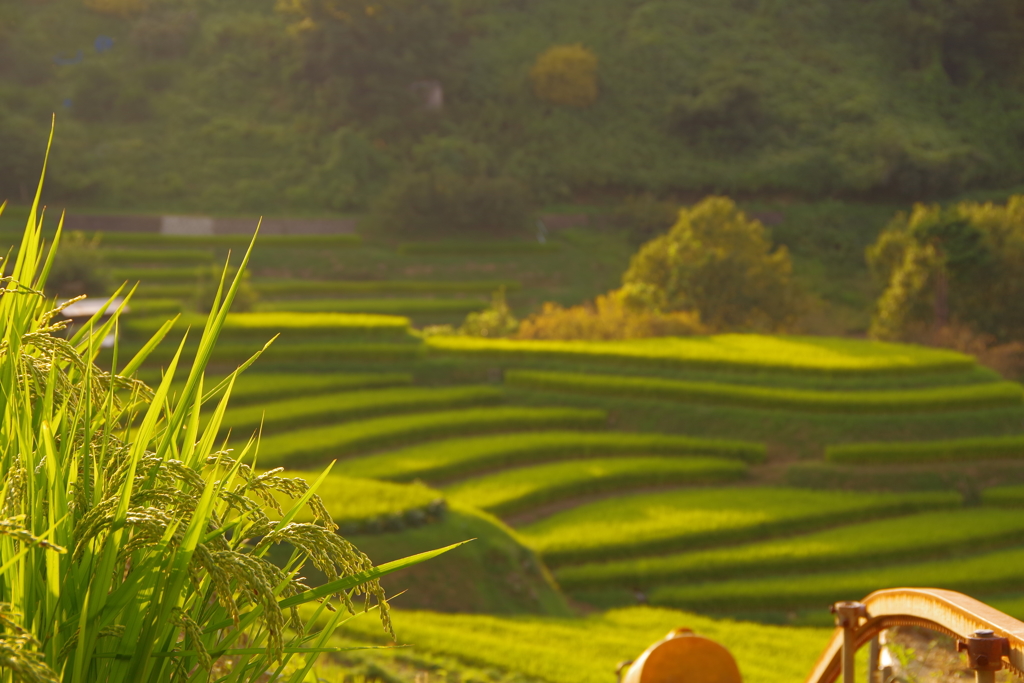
209	106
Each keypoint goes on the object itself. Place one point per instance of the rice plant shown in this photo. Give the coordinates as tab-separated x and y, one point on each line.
134	544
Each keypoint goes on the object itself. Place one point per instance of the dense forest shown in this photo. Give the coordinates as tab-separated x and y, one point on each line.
312	106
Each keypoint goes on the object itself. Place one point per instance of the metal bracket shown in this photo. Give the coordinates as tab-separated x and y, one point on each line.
985	653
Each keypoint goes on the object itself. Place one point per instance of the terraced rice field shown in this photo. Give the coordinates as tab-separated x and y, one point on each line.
648	469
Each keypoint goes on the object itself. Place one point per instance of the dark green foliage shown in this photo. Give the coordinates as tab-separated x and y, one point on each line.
450	188
644	217
209	282
961	450
952	266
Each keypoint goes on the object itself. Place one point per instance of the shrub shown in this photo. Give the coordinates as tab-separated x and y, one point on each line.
496	321
565	75
716	263
79	268
933	399
951	267
607	318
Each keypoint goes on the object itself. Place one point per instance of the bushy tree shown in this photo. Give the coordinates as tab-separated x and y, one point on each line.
450	187
566	75
381	46
719	264
79	268
955	266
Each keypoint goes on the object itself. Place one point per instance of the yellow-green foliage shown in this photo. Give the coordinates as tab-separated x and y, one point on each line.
118	8
586	650
453	457
674	520
566	75
322	443
927	533
518	489
811	355
961	450
719	264
607	318
932	399
951	266
354	500
997	572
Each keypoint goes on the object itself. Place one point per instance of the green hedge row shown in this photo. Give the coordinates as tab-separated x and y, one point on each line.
520	489
403	307
444	459
163	308
972	396
158	274
961	450
1004	496
285	288
324	443
255	387
348	405
133	257
919	535
631	526
462	248
290	325
994	572
284	354
738	352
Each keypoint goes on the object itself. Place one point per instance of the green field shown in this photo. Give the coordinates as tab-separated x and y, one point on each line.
337	407
661	522
587	649
461	456
737	352
895	539
976	396
520	489
322	443
988	573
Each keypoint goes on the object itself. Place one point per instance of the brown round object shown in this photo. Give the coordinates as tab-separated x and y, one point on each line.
682	657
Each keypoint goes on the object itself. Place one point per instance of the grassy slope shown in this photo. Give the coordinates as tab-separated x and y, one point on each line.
587	650
496	573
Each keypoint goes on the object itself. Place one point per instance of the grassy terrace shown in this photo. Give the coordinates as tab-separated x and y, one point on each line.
922	535
1001	571
323	443
813	355
442	459
520	489
587	649
348	405
934	399
674	520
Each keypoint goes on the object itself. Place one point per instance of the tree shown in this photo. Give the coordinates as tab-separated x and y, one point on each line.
719	264
566	75
956	266
381	46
